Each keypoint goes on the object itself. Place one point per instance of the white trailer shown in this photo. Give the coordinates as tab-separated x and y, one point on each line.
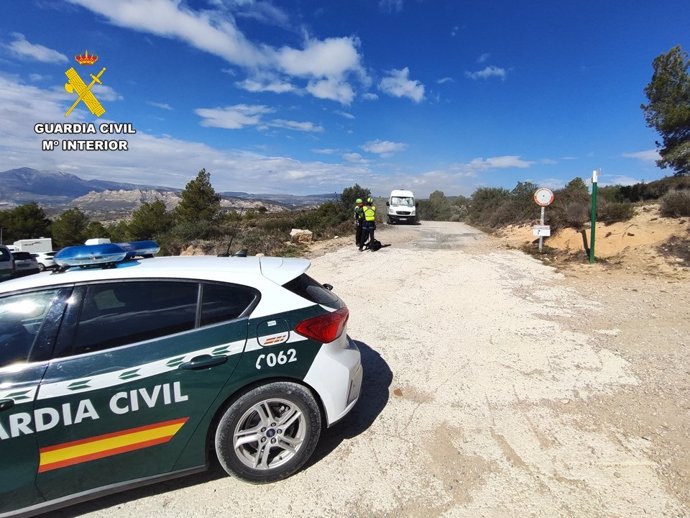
40	244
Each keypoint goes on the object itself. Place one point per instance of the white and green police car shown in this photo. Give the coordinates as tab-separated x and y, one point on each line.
140	370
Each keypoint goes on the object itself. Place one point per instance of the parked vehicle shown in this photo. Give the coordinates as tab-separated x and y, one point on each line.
45	260
135	371
6	263
24	264
401	207
39	244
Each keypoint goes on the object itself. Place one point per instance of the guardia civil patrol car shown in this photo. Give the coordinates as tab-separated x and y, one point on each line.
118	371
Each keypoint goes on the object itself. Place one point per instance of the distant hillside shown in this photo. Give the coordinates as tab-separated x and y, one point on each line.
105	200
24	185
108	206
293	200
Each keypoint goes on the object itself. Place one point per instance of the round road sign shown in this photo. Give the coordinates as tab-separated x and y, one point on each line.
543	197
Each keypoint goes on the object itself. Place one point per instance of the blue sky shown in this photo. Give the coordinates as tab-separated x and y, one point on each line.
307	96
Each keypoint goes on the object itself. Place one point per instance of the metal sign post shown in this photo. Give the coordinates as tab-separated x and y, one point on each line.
542	197
595	177
541	222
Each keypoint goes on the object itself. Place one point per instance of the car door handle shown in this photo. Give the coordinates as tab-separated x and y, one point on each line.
6	404
203	362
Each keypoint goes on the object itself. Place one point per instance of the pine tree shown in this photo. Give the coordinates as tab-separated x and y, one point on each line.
199	201
149	221
668	110
70	228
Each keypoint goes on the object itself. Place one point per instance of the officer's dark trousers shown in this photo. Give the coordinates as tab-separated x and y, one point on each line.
367	234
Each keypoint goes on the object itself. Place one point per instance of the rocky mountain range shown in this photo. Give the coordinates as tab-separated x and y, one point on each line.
110	201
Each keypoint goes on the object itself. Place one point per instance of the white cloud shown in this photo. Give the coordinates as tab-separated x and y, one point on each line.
264	12
344	114
370	96
324	151
444	80
483	58
36	78
295	125
172	162
162	106
487	73
326	65
332	89
232	117
332	57
155	160
397	84
21	48
275	85
355	158
383	147
204	30
499	162
106	93
651	155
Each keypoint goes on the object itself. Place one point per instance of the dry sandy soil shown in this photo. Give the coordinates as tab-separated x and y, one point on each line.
495	385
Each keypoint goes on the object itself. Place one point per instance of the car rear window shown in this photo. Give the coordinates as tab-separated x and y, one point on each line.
22	255
306	287
221	302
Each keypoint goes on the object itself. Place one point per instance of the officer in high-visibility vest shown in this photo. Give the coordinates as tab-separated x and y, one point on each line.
359	220
369	224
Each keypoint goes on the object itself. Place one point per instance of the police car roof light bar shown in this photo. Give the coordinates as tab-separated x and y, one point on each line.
105	255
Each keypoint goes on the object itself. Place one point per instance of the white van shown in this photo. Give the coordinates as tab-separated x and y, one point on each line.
401	207
6	263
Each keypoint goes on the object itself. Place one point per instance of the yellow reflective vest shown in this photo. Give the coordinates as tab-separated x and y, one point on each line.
369	212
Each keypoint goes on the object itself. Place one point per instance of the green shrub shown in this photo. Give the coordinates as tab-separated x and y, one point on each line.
615	212
576	213
675	204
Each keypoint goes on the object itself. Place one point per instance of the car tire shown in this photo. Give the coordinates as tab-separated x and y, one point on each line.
268	433
41	267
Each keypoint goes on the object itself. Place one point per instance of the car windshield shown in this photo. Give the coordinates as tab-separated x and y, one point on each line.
404	202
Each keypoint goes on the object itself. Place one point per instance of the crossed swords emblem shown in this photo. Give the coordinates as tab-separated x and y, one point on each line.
75	84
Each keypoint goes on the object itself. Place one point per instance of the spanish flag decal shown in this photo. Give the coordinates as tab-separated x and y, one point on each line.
100	446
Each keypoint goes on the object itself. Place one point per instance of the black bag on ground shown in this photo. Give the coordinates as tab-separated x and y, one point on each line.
375	245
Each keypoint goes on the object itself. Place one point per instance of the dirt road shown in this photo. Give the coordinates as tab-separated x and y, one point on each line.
494	386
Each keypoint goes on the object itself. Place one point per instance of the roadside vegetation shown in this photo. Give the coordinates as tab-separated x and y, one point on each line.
199	222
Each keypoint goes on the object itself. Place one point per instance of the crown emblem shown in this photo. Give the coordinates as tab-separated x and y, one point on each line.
86	58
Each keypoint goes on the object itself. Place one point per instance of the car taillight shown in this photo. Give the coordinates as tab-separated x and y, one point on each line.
324	328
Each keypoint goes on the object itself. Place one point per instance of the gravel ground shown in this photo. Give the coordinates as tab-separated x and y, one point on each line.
494	386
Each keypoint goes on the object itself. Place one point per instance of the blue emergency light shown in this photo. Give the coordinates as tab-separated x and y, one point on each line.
146	248
104	255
